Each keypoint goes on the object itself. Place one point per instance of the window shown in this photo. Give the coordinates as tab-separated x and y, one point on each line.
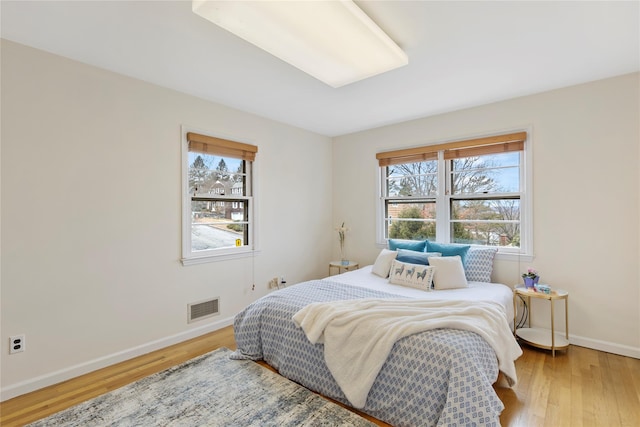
218	206
470	192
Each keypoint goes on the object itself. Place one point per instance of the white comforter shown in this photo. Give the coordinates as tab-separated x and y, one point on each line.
477	291
358	335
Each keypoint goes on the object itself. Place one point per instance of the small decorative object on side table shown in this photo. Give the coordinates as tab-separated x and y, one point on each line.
540	337
340	265
342	232
530	278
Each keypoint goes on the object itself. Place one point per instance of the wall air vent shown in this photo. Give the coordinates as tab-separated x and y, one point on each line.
202	310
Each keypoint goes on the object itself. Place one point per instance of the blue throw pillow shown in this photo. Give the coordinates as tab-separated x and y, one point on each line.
449	249
412	245
415	257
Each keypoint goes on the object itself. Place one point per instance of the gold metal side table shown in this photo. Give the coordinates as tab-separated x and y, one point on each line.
351	265
541	337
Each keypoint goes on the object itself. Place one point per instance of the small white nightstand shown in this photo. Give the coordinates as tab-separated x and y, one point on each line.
351	265
540	337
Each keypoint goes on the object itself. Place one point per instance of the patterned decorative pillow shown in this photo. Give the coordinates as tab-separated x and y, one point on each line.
412	275
479	264
449	272
382	265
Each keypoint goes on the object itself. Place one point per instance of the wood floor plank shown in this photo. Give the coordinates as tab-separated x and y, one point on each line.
579	387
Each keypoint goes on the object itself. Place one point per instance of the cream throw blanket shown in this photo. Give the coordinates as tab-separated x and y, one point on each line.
359	334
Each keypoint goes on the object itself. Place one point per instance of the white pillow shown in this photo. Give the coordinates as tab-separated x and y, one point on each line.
383	263
413	275
449	272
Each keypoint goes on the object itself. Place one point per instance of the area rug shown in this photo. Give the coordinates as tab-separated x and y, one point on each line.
211	390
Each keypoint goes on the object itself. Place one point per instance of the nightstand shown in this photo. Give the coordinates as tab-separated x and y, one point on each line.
540	337
351	265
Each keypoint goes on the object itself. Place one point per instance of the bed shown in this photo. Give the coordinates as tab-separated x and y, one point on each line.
436	377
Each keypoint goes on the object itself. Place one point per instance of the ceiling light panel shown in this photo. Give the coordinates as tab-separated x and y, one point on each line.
334	41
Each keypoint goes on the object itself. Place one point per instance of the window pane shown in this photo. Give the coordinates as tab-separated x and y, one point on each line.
412	179
486	222
493	173
486	233
209	174
218	224
410	220
486	209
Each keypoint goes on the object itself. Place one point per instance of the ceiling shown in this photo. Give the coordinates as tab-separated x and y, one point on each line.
461	54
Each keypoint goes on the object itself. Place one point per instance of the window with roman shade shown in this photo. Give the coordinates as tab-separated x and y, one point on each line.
466	191
218	194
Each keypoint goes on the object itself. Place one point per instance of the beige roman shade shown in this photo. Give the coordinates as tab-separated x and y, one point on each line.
455	149
223	147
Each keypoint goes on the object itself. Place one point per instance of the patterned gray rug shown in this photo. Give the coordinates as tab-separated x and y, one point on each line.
211	390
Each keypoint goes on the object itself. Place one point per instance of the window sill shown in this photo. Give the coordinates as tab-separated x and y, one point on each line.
195	260
514	256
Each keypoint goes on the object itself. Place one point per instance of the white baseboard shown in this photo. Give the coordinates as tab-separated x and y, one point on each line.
102	362
605	346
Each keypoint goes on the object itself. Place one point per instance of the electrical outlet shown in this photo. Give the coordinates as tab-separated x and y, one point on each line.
16	344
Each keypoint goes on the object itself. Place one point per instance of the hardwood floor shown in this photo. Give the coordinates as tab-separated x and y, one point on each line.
579	387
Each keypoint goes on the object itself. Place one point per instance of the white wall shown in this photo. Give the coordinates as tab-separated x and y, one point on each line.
586	194
91	211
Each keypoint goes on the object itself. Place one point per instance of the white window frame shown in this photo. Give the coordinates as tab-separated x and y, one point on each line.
190	257
443	204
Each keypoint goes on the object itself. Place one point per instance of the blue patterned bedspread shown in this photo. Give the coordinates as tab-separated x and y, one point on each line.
441	377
